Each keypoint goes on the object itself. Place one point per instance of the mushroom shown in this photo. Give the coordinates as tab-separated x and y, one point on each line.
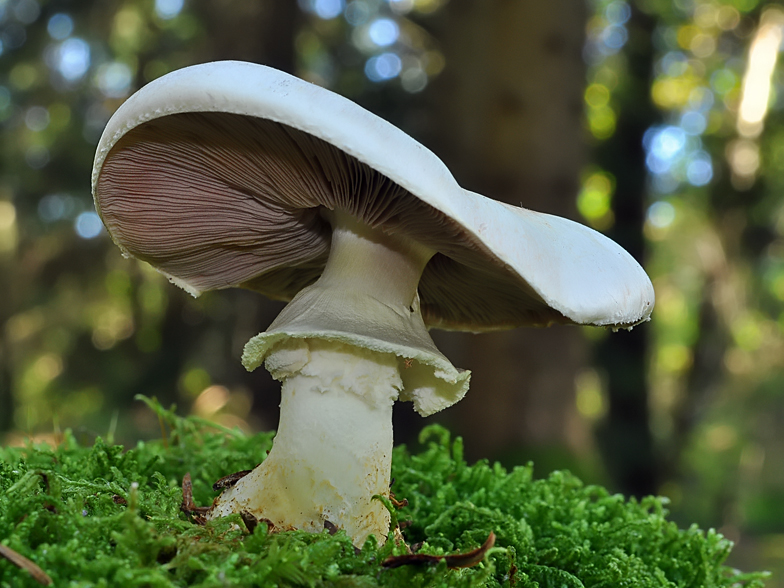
234	174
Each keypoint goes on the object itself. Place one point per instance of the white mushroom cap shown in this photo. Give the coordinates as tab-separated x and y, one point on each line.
215	174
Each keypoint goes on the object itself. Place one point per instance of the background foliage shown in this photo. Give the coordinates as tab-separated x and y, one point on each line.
683	119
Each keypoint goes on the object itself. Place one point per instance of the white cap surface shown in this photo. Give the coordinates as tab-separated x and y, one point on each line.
215	174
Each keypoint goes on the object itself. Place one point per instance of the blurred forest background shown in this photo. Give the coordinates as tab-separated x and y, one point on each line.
657	122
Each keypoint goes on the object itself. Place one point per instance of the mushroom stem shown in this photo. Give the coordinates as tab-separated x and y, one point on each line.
369	261
333	449
340	348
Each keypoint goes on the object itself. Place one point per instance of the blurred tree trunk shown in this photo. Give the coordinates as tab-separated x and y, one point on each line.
625	437
508	123
12	282
261	31
6	398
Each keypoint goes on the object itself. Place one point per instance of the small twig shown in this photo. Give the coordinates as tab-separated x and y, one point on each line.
22	562
458	560
227	482
397	503
187	494
188	506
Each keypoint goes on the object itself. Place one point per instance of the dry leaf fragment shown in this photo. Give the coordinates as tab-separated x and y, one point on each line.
22	562
458	560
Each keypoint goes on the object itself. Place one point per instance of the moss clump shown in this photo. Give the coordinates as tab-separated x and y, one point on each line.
101	516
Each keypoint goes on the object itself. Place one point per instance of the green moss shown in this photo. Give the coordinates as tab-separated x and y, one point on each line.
101	516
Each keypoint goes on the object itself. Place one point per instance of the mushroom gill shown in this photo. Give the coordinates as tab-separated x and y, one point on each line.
221	200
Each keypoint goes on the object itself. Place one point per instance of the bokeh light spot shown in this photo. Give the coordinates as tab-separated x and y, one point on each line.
693	122
413	79
433	62
8	228
705	15
27	11
324	9
593	201
723	81
614	38
88	225
211	400
699	171
357	12
72	59
674	63
37	156
673	358
54	207
702	45
383	67
7	215
401	6
383	32
194	381
597	95
14	36
686	34
671	93
60	26
661	214
618	12
168	9
589	398
777	286
36	118
602	122
744	156
747	333
23	76
663	145
701	98
727	18
114	79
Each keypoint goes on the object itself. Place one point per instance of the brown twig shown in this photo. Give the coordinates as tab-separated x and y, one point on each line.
22	562
397	503
188	506
227	482
458	560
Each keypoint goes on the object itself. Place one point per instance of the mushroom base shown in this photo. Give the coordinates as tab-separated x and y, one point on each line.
333	449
